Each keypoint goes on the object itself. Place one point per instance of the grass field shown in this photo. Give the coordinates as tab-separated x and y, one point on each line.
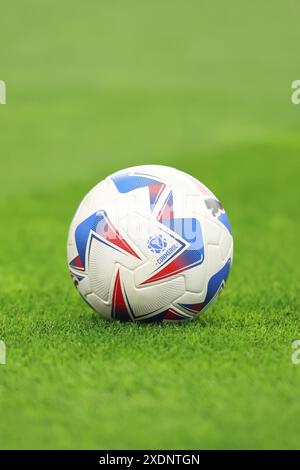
97	86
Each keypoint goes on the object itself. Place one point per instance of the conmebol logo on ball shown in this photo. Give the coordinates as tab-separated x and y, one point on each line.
150	244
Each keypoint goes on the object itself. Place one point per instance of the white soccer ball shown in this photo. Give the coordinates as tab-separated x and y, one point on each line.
150	243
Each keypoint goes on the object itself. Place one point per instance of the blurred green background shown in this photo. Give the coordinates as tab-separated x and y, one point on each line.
96	86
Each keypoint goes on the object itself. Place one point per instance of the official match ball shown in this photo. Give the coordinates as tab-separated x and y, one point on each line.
150	244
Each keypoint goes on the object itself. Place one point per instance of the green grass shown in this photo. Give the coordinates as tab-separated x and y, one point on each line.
95	87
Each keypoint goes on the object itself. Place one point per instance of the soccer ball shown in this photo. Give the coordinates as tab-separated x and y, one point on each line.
148	244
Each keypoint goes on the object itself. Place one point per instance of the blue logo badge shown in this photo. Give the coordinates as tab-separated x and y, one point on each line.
157	243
